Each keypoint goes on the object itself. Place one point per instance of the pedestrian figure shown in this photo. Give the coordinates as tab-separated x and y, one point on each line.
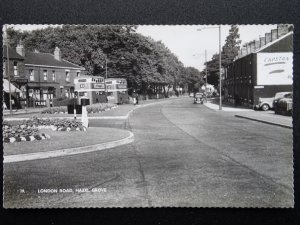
134	98
137	98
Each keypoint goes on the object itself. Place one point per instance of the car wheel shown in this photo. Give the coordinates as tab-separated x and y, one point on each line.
265	107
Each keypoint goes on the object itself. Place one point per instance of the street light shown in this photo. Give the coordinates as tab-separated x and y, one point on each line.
220	83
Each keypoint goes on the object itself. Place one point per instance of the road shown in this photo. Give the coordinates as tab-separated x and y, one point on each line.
183	155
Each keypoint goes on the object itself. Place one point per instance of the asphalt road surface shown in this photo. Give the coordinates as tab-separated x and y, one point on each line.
183	155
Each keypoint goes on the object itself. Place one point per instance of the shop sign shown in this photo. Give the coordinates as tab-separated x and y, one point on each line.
121	86
20	80
99	86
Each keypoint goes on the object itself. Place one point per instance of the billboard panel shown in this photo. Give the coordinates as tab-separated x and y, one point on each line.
275	68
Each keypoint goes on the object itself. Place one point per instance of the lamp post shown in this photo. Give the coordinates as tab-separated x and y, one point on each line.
6	42
220	61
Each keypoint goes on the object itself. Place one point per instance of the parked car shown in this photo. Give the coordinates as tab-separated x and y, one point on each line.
198	99
191	94
284	105
278	96
268	103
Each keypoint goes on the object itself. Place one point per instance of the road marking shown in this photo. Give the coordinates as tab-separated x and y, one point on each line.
69	151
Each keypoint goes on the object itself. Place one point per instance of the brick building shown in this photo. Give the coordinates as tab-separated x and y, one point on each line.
42	76
262	68
15	68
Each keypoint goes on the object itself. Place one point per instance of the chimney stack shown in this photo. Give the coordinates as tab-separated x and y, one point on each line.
268	38
282	29
274	34
20	49
57	54
262	41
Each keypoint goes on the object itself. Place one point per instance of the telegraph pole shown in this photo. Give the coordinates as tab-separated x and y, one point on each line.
220	82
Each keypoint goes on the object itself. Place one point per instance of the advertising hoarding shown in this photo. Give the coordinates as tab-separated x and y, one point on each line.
275	68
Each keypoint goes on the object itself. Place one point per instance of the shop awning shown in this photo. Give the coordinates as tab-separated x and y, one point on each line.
13	88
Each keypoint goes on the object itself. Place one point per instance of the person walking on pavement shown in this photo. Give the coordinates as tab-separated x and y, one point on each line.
134	98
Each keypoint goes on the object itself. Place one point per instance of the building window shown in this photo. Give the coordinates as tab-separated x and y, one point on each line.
16	68
53	75
78	74
45	74
31	75
68	76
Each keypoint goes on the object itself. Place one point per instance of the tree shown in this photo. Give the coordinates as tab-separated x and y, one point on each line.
194	79
213	70
231	47
148	66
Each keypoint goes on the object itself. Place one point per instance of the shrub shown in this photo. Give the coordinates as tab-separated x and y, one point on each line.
99	107
53	110
64	101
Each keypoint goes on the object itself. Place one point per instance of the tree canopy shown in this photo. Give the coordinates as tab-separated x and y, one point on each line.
148	65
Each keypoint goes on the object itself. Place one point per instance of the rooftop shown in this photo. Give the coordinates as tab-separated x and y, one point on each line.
12	54
47	59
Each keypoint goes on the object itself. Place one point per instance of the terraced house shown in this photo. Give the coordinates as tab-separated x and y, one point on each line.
49	76
37	77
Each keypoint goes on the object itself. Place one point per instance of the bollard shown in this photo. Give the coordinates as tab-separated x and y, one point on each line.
84	118
74	113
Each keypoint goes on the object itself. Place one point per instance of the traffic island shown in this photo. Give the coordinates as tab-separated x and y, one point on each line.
67	143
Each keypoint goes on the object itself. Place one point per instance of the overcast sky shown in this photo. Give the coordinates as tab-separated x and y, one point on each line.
187	42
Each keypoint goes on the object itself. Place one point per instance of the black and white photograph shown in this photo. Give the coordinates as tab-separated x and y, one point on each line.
148	116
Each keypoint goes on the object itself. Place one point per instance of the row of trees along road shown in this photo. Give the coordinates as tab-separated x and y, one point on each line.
229	52
149	66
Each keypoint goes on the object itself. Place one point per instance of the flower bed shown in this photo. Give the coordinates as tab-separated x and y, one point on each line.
55	124
94	108
28	130
20	133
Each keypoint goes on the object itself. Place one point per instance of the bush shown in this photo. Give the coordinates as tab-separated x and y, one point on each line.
94	108
64	101
99	107
53	110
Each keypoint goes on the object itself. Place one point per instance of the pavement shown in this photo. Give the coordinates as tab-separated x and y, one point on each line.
183	155
268	117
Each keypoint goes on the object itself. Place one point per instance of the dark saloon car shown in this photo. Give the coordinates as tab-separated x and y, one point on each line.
198	99
284	105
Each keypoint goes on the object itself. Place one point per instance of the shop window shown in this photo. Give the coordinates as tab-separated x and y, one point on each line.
15	68
45	75
31	75
53	75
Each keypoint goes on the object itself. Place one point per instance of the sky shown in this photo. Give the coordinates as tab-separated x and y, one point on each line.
189	42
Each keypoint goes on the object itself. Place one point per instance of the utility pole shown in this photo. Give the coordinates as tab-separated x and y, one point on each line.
205	76
220	82
7	71
105	79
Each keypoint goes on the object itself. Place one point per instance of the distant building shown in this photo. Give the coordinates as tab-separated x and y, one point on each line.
261	69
